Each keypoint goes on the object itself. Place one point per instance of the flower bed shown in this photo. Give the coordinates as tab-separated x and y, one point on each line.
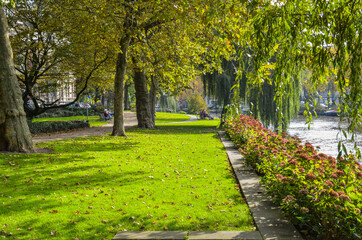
322	195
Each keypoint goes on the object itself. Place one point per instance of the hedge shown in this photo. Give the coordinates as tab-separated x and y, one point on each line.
322	195
69	112
55	126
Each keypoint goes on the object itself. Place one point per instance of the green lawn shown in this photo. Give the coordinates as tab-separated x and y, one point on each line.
170	117
174	178
94	121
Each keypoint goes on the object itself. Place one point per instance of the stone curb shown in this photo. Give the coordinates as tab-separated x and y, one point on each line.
267	216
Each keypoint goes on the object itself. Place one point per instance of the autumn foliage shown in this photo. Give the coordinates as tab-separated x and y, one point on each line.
321	194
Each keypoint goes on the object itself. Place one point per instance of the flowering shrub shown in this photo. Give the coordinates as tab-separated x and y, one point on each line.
322	195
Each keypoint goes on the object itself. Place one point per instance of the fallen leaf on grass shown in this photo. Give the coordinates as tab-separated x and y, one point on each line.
104	221
54	211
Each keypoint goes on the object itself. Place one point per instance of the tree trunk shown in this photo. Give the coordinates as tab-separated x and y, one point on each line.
144	116
126	97
121	67
153	97
14	131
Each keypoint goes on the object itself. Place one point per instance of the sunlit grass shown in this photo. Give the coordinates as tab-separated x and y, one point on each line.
170	117
174	178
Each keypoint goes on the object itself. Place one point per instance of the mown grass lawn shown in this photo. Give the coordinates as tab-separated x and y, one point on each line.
170	117
94	121
174	178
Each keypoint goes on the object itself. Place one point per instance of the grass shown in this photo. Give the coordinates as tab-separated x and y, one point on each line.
170	117
94	121
174	178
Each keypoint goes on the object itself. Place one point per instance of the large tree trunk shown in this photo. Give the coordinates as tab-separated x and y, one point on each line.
118	126
153	97
14	131
144	116
126	97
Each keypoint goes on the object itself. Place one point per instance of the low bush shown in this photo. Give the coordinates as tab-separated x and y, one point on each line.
54	126
322	195
70	111
182	112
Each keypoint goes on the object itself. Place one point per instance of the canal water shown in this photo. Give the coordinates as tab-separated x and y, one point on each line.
324	132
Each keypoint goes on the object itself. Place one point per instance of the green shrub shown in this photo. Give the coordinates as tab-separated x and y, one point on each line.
321	194
69	112
196	103
182	112
55	126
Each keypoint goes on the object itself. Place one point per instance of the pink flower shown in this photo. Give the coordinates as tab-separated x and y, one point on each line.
280	177
304	191
344	197
334	175
310	176
323	191
301	169
328	183
321	170
293	162
334	194
338	207
288	199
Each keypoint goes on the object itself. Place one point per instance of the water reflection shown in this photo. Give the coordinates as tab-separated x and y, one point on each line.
324	132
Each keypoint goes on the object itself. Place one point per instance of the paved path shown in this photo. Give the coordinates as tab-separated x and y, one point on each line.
130	121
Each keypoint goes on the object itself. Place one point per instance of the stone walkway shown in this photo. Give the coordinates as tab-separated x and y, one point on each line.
268	218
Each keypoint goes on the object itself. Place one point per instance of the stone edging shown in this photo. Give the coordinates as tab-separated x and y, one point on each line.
267	216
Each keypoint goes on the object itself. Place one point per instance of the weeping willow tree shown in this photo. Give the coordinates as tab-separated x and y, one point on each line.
168	103
218	85
260	97
323	36
263	106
